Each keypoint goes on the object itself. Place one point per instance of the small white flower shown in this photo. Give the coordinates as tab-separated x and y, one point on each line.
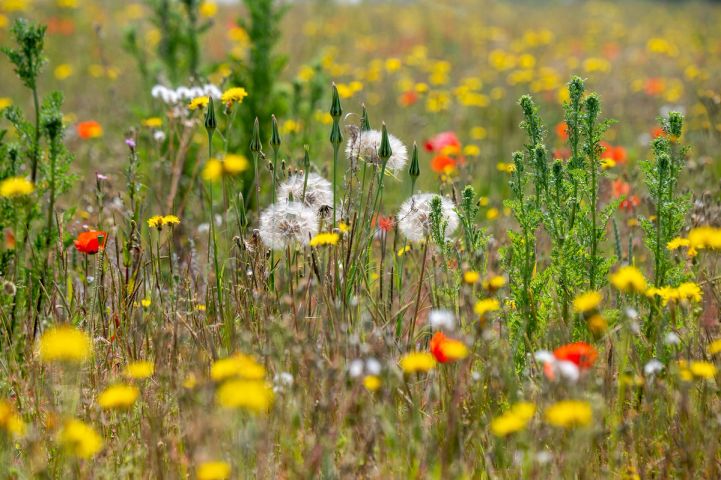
568	370
355	368
414	216
544	356
159	136
373	366
672	339
652	368
442	319
287	223
364	146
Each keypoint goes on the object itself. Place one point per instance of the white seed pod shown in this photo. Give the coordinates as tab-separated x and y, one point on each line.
285	224
414	216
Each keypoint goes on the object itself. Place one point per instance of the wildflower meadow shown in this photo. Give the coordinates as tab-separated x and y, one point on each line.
360	239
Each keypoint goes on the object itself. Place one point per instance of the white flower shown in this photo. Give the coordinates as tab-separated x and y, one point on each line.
442	319
287	223
318	190
373	366
364	146
414	216
652	368
672	339
355	368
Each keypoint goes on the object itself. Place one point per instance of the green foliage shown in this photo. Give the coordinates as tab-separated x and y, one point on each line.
27	57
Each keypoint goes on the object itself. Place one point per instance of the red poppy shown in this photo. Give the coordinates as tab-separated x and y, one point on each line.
446	349
620	188
630	203
384	223
89	129
562	130
408	98
89	242
443	164
657	132
561	153
580	354
445	142
617	154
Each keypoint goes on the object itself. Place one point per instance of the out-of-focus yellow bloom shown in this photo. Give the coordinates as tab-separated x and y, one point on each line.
471	150
514	420
597	324
608	163
629	279
233	95
569	413
10	421
252	395
208	9
592	65
471	276
403	250
324	238
145	303
65	343
140	369
5	102
505	167
372	382
215	470
198	102
417	362
63	71
492	213
485	306
10	6
714	347
587	302
238	365
687	291
16	187
153	122
343	227
118	397
696	369
80	439
67	4
494	282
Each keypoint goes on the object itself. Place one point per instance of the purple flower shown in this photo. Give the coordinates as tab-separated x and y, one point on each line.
130	143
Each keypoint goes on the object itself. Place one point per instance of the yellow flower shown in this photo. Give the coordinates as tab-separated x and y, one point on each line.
343	227
569	413
471	277
80	439
171	220
238	365
492	213
677	243
198	102
471	150
235	164
687	291
597	324
417	362
505	167
494	283
156	221
190	381
514	420
16	187
234	95
213	471
10	421
324	238
153	122
607	163
587	301
213	170
629	279
485	306
705	237
5	102
702	369
118	397
145	302
714	347
372	382
63	71
252	395
403	250
208	9
140	369
65	343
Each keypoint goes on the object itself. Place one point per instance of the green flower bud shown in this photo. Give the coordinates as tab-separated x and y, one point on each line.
384	151
365	125
275	135
415	170
255	144
335	109
210	122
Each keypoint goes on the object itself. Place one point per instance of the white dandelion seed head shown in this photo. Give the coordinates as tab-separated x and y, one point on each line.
318	191
414	216
652	368
364	146
355	368
287	223
442	319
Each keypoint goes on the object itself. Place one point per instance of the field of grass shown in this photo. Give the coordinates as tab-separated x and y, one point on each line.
327	239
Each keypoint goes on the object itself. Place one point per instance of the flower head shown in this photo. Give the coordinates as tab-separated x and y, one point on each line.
89	129
446	349
364	146
91	242
287	223
514	420
629	279
587	302
80	439
325	238
569	414
237	366
16	187
118	397
10	420
233	95
414	216
254	396
65	343
417	362
485	306
140	369
316	193
198	102
214	470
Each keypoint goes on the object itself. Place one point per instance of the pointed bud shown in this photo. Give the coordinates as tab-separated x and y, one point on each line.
415	170
365	124
336	137
384	151
210	122
275	135
255	145
335	109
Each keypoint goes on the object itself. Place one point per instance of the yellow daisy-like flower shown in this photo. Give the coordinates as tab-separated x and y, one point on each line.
213	170
514	420
234	95
417	362
171	220
208	9
146	302
629	279
140	369
471	277
325	238
65	343
372	382
235	164
343	227
486	305
714	347
403	250
118	397
677	243
569	413
494	283
702	369
608	163
505	167
587	302
16	187
10	421
156	221
80	439
238	365
253	395
198	102
214	470
153	122
5	102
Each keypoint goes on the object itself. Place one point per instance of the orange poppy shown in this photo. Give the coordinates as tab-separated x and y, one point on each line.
89	129
408	98
580	354
562	130
90	242
446	349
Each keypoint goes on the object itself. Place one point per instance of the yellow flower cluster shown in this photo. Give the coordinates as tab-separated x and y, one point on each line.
485	306
16	187
139	370
244	386
699	238
514	420
80	439
696	369
687	291
118	397
587	302
158	221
